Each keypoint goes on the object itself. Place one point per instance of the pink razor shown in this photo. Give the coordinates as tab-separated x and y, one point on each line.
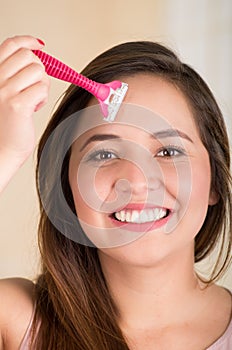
110	95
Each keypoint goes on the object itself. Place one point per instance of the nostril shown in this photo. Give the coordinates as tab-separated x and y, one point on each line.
123	185
154	183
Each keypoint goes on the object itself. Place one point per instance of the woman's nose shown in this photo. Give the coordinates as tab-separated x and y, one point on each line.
139	178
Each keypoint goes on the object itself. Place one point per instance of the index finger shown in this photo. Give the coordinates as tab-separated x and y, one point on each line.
13	44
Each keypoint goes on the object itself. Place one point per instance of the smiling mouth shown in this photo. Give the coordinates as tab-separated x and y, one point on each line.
141	216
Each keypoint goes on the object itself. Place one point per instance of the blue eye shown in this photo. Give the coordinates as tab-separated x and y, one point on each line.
170	151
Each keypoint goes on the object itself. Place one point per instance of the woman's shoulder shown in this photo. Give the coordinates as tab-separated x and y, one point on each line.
220	302
16	309
223	299
221	314
224	341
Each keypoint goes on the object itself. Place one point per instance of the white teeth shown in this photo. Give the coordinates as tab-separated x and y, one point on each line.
162	213
142	216
128	216
123	215
157	213
150	214
134	215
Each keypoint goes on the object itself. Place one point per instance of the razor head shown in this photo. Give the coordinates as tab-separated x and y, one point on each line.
112	103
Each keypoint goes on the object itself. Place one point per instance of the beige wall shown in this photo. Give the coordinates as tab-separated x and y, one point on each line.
76	31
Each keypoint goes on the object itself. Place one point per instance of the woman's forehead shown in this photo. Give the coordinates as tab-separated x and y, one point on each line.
151	103
133	122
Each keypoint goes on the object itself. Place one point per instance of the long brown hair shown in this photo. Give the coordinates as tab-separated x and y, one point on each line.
74	308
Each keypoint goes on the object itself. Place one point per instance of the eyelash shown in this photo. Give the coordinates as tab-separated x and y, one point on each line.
180	150
93	156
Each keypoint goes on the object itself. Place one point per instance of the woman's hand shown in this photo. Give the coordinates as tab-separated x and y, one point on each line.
24	89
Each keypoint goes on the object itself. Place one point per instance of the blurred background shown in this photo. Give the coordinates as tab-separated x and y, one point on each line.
75	31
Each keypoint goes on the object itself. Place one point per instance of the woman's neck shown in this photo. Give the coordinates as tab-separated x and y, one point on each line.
156	296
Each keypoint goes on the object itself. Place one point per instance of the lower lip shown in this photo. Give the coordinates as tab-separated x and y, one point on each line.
143	227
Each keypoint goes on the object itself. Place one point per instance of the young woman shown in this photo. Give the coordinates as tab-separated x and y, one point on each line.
127	208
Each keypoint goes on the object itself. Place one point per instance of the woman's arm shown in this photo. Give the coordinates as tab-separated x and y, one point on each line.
16	309
24	89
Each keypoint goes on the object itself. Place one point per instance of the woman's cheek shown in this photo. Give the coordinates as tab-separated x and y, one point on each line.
176	183
201	175
105	184
93	188
197	204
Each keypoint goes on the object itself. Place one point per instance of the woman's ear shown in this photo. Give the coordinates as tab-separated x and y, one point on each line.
213	197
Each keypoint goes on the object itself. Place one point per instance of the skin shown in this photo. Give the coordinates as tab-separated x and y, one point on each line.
161	301
156	290
24	87
161	186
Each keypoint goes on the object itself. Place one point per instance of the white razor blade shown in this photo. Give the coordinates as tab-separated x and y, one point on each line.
114	101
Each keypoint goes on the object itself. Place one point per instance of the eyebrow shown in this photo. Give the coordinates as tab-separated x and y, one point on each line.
171	133
99	137
156	135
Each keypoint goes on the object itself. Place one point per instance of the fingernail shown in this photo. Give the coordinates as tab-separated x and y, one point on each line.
40	41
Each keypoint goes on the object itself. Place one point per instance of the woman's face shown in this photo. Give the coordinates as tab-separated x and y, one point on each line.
141	185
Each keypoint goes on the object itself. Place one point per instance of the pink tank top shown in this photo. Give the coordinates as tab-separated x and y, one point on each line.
225	341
